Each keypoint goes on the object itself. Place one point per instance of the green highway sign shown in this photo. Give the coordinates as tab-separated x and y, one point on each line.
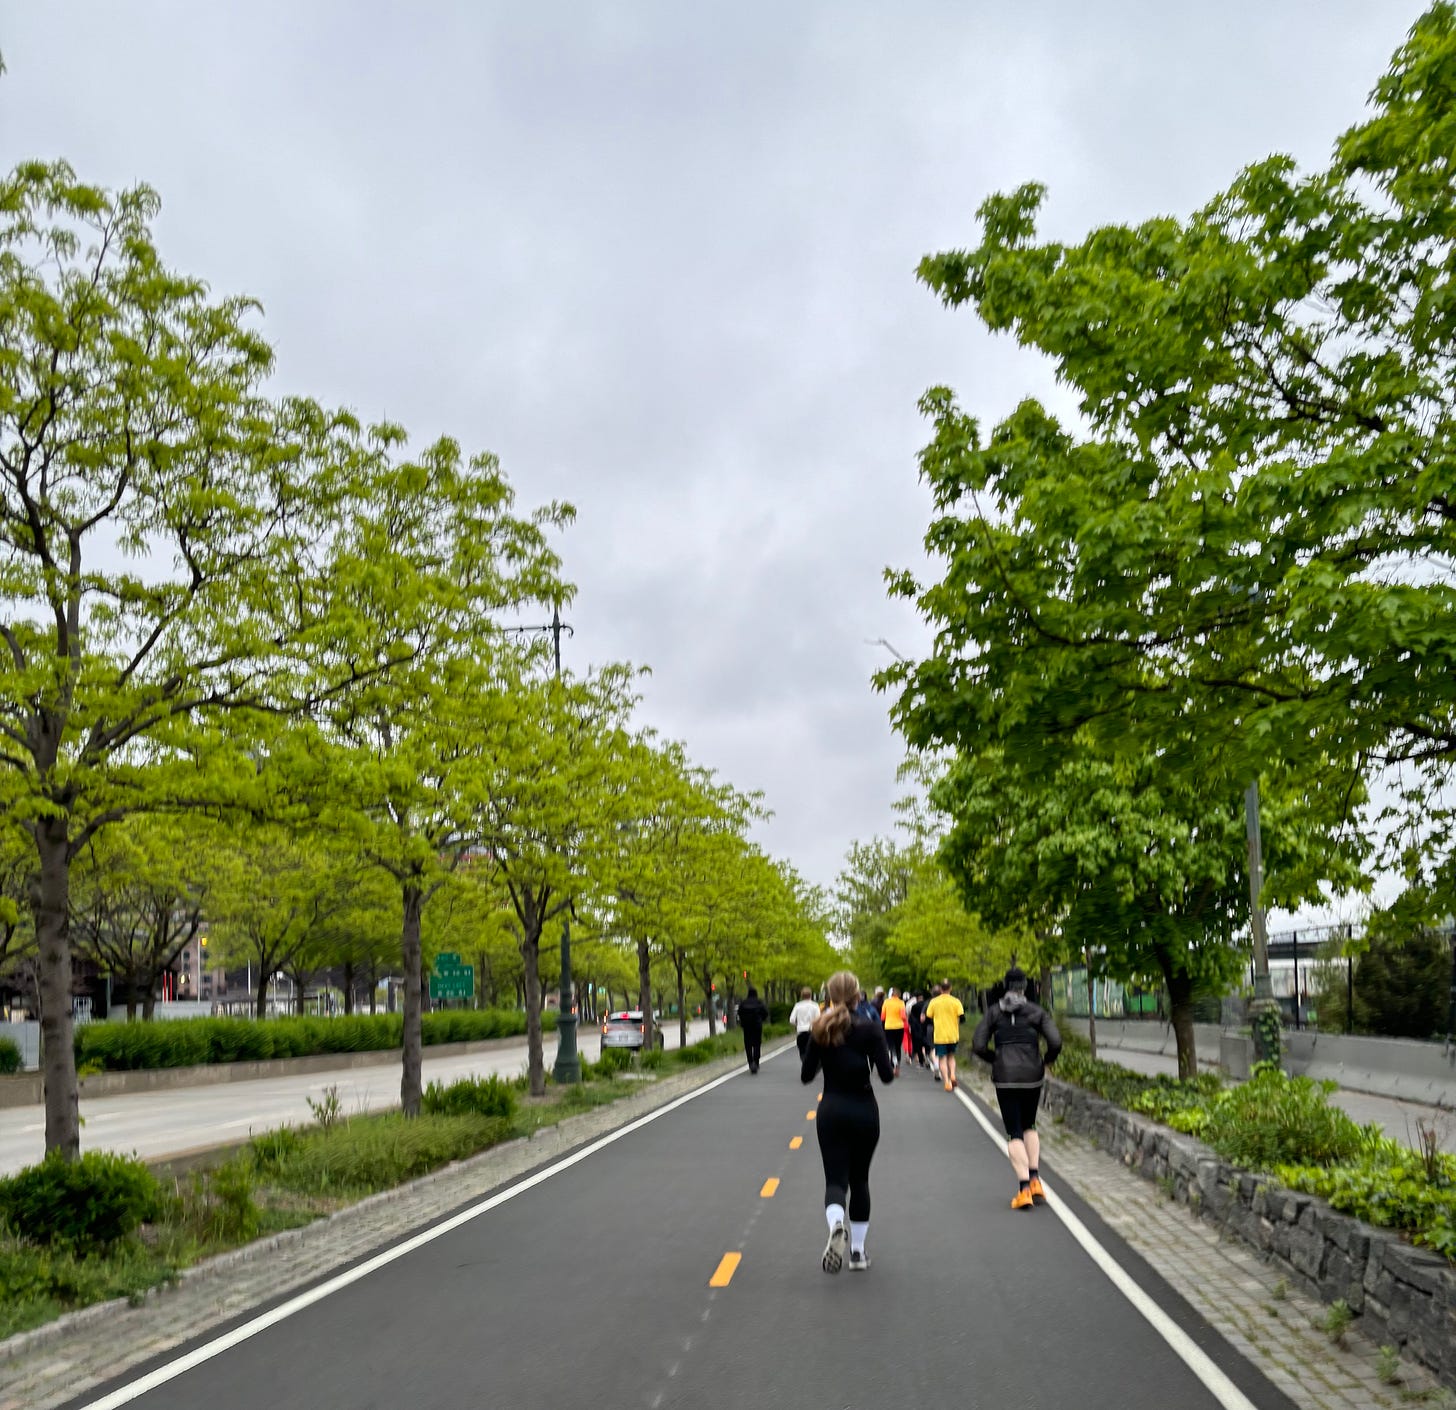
451	979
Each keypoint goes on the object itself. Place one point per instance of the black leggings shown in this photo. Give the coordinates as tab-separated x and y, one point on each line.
1018	1109
849	1131
802	1039
752	1044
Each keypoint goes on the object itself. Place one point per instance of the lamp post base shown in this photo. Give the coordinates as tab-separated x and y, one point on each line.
567	1067
1267	1028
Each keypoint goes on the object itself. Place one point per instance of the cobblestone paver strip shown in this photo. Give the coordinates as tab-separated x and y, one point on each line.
47	1367
1271	1324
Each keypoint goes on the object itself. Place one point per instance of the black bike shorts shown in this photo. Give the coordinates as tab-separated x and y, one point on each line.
1018	1109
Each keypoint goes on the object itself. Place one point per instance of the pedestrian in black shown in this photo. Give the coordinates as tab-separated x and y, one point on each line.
844	1047
1009	1037
752	1015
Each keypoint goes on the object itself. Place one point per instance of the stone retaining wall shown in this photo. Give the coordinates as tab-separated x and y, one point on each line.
1403	1296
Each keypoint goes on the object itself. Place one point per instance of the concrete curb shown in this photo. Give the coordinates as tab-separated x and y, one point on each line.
551	1140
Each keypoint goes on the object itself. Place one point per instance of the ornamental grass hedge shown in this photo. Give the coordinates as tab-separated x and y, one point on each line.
192	1042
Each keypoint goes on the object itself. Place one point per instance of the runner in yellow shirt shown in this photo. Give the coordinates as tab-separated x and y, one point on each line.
892	1016
945	1013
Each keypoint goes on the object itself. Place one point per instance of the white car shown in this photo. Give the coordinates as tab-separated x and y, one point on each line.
625	1030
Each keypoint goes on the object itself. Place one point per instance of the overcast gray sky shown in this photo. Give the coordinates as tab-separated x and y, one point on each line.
660	258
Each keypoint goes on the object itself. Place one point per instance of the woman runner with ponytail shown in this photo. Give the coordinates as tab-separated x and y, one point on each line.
844	1048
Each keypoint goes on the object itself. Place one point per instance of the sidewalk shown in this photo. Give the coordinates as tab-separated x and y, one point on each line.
1397	1119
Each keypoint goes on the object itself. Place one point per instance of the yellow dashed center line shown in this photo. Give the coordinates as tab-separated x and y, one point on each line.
809	1116
770	1188
820	1097
796	1143
727	1267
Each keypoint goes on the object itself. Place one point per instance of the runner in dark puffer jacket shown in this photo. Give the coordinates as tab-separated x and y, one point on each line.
1009	1037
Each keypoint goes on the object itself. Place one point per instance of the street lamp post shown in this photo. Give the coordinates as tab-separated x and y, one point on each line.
1264	1011
567	1067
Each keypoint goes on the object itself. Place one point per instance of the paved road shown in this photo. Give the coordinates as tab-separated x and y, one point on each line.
1397	1119
157	1124
588	1284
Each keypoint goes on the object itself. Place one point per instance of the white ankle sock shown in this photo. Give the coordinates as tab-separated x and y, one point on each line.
834	1213
857	1232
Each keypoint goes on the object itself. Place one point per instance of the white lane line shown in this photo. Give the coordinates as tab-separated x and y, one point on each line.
134	1390
1188	1351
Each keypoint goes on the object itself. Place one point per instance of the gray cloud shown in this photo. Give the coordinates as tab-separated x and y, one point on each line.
660	258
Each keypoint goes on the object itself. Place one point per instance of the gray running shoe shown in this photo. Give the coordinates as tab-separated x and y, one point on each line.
858	1262
835	1249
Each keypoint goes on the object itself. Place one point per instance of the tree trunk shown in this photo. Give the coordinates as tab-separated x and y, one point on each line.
51	900
373	990
1091	1007
644	988
730	1011
682	1004
131	1005
1180	997
263	976
410	1083
349	990
531	959
708	997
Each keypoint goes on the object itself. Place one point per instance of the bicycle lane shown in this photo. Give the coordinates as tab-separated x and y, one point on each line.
964	1297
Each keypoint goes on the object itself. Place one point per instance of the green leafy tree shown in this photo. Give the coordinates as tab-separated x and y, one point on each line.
934	937
1135	866
131	418
275	903
139	899
1239	554
871	888
551	806
669	803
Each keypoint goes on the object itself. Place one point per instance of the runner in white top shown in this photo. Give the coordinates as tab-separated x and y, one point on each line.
802	1016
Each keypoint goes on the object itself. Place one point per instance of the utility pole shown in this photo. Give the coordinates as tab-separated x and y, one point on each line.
1264	1011
567	1067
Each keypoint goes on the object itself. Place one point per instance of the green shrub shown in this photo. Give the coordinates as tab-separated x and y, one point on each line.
87	1204
616	1059
479	1096
696	1053
1388	1185
38	1284
379	1152
273	1148
122	1047
1274	1120
222	1208
9	1057
652	1062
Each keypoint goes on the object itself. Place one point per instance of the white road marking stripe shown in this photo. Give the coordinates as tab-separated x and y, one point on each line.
1184	1347
134	1390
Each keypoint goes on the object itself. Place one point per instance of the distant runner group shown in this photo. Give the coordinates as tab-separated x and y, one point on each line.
853	1035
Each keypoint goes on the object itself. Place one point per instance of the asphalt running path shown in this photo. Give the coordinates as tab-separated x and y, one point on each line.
593	1286
154	1125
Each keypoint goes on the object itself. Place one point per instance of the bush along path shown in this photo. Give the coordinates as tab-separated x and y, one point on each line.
197	1042
1362	1222
107	1227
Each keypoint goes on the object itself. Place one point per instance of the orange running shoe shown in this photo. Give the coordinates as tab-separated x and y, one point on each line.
1022	1200
1036	1190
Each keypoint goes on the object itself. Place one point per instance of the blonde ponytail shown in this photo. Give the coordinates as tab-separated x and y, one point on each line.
831	1028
